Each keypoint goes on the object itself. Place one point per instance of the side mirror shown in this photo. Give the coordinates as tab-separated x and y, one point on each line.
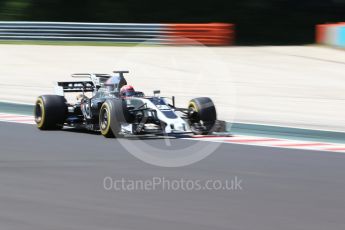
173	101
156	92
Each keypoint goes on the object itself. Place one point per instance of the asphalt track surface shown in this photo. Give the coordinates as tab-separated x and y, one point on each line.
54	180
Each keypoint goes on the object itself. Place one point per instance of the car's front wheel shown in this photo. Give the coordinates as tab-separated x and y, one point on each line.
202	115
105	120
112	113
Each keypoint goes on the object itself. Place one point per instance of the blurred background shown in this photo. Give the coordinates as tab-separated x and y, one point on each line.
263	22
275	86
272	74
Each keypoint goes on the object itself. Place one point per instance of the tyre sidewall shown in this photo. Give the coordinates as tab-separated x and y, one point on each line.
53	111
206	112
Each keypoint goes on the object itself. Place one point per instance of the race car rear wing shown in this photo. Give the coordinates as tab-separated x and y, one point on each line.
90	75
76	86
95	81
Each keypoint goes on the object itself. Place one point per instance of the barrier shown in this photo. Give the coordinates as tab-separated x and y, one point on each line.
58	31
208	34
331	34
168	34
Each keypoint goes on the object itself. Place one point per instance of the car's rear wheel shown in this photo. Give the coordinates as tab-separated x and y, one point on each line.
50	112
202	115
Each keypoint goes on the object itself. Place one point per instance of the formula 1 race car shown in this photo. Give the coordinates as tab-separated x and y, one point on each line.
115	114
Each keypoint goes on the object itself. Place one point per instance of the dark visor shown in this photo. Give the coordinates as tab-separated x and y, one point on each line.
129	93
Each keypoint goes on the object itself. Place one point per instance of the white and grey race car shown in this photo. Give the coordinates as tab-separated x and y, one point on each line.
116	115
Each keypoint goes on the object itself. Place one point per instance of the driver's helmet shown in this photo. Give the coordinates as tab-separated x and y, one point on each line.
127	91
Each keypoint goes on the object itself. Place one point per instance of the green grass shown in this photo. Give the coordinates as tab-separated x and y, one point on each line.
71	43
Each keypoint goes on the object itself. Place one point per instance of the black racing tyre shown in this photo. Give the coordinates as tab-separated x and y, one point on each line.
50	112
112	113
203	111
105	120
